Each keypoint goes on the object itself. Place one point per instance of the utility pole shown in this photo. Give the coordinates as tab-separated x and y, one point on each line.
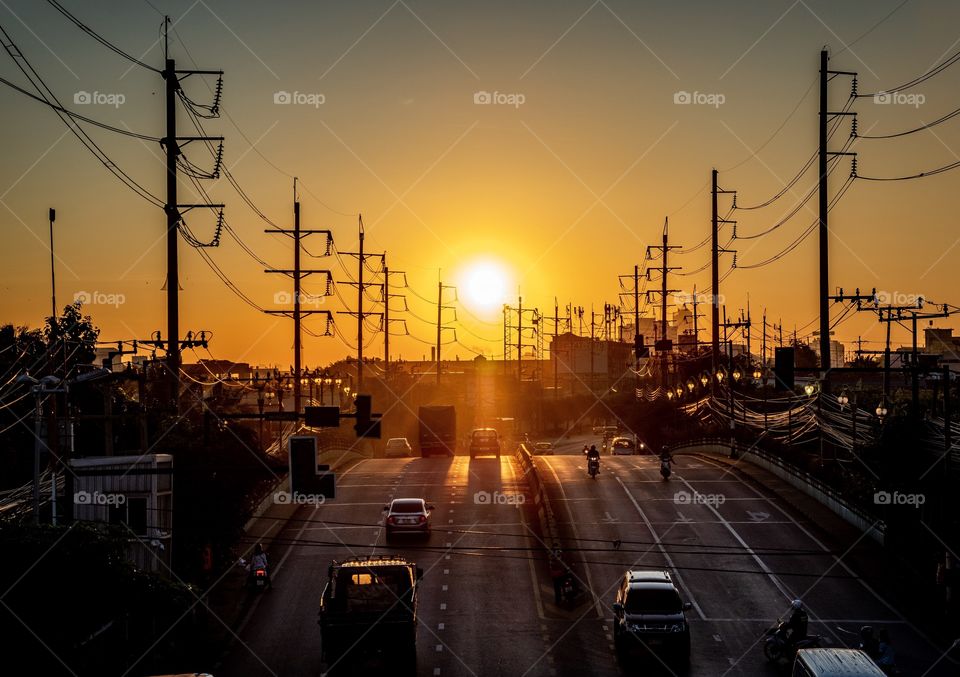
440	326
520	339
297	274
715	268
173	148
696	326
663	346
386	318
824	199
53	279
556	331
361	286
386	312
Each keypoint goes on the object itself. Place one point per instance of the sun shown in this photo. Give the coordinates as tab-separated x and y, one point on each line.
484	284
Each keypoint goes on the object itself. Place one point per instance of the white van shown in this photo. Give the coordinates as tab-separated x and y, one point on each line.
834	663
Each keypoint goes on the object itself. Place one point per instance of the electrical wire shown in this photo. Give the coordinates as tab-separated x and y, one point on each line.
99	38
936	70
50	98
949	116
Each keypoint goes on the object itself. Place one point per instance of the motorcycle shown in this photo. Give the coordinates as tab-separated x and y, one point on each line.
568	590
593	467
665	469
258	579
777	646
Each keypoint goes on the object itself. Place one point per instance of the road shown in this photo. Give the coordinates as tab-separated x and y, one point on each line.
486	606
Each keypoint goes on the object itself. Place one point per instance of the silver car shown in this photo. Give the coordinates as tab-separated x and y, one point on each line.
397	447
407	516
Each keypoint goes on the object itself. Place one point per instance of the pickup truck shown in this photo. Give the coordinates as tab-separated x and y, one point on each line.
369	606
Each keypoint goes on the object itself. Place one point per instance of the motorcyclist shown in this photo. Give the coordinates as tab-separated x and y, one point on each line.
665	455
593	456
259	561
586	449
796	627
869	642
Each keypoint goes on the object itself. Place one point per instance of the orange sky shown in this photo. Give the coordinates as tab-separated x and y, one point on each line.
563	181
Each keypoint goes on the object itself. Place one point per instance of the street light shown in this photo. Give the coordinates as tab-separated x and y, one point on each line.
704	379
691	385
737	374
757	374
809	389
881	411
843	399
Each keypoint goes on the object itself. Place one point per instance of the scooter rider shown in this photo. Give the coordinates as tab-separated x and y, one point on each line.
259	561
593	454
796	626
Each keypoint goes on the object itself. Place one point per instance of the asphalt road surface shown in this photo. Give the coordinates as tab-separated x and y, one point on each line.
486	605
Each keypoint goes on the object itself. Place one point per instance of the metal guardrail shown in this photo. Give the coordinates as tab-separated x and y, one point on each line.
738	449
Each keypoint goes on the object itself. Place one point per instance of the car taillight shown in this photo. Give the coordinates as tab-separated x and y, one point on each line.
391	520
423	518
261	572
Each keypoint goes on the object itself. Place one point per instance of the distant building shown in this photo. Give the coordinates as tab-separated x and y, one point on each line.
584	364
942	343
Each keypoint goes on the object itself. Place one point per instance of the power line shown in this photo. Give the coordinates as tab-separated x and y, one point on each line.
99	38
16	54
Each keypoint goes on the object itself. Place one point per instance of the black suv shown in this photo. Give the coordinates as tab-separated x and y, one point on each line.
648	615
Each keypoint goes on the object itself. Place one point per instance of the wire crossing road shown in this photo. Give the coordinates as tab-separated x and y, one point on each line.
486	605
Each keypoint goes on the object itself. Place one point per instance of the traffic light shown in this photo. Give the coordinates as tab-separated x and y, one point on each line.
639	349
367	425
783	366
321	417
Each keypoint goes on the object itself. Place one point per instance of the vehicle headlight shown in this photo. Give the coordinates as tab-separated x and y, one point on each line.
633	627
678	627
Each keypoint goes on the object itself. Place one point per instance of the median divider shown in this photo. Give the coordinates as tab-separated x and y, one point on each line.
541	501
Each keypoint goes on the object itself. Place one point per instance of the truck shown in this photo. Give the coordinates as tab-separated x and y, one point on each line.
438	430
369	607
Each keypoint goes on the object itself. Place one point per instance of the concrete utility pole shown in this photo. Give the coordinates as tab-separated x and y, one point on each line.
716	250
297	274
53	278
663	345
439	324
361	286
824	199
172	147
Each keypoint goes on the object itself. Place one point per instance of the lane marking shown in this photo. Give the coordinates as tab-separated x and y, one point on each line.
780	585
663	551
